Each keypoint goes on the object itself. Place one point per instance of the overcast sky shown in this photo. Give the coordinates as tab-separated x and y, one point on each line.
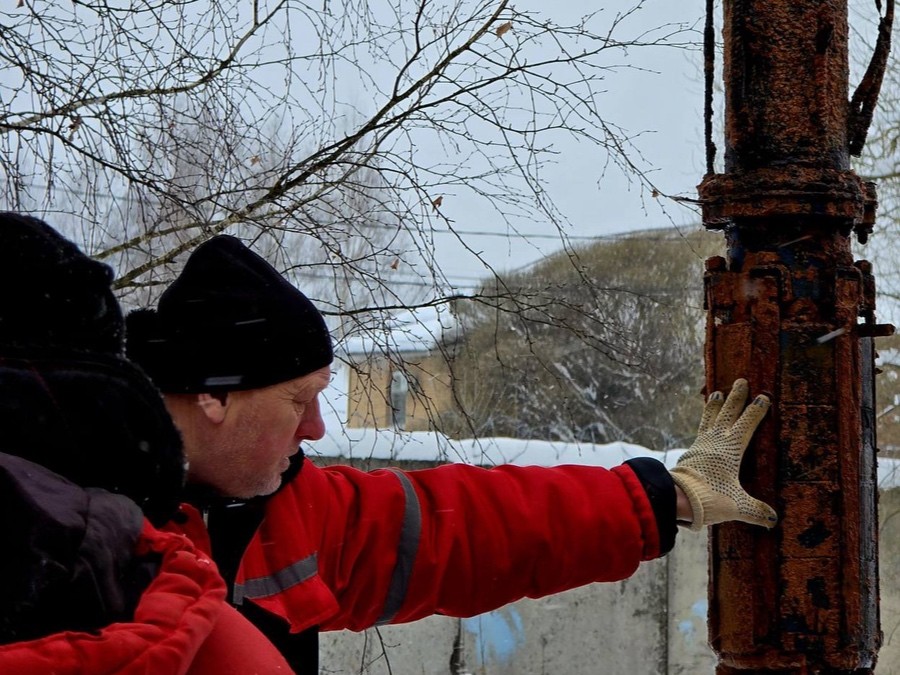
660	97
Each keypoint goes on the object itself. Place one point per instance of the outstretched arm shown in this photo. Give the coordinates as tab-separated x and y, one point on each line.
355	549
343	548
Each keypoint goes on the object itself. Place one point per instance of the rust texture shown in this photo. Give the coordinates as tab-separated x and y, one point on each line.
787	102
790	310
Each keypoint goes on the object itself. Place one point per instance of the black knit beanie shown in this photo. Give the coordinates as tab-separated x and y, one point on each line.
69	400
229	321
53	294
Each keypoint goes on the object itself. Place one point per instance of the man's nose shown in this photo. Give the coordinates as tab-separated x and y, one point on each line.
312	426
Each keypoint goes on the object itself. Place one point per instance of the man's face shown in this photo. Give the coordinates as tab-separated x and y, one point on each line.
261	430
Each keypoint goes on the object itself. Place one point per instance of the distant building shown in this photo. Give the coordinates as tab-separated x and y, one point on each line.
887	404
399	373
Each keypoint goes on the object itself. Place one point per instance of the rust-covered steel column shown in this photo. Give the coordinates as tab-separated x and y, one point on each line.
790	310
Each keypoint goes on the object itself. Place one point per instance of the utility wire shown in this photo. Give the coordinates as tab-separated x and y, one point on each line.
509	236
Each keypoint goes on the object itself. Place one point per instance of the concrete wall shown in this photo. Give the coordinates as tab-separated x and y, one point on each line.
651	624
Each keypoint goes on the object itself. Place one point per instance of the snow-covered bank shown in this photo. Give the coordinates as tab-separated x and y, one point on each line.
429	446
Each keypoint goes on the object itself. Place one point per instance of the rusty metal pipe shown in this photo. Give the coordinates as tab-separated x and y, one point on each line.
790	310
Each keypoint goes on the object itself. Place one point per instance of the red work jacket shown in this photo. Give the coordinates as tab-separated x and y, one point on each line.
181	625
341	548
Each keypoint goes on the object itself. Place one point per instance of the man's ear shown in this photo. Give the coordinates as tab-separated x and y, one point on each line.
213	406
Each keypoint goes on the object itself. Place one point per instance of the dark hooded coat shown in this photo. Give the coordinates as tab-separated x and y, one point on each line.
89	462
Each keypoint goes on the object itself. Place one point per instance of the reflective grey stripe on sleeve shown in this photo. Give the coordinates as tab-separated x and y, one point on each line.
262	587
407	549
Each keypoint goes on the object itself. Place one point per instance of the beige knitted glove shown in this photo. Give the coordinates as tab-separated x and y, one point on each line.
708	471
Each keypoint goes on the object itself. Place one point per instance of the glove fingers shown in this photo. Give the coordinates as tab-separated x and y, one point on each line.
711	411
750	419
733	404
756	512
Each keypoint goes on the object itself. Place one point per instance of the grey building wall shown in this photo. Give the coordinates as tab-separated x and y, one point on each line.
651	624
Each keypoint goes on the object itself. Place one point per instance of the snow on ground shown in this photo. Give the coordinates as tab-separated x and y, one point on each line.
392	445
410	446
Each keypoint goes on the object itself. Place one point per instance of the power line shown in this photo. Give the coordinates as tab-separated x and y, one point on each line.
473	282
510	236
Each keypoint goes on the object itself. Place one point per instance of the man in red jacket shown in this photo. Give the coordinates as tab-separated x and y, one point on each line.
242	357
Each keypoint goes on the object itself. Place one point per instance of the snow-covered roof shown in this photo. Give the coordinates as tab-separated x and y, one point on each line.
417	330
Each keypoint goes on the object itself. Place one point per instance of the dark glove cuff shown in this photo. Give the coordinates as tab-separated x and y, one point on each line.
660	489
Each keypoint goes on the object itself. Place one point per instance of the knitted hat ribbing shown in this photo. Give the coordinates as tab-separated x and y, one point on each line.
229	321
